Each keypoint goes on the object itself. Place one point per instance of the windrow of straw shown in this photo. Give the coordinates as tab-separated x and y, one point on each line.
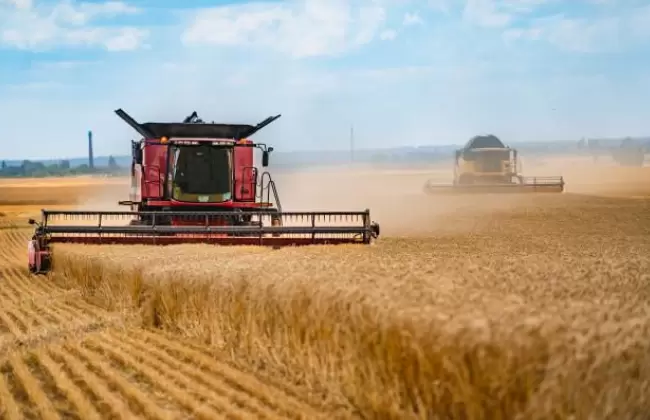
513	323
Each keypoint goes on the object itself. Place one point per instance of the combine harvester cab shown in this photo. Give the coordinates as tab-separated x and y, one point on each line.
486	165
195	182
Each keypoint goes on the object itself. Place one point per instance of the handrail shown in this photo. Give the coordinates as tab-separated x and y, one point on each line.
269	187
265	174
275	195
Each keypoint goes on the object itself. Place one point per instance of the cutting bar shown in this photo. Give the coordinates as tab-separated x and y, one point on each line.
527	185
260	227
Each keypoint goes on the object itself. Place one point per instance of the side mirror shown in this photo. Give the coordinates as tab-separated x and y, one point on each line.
265	158
270	149
31	221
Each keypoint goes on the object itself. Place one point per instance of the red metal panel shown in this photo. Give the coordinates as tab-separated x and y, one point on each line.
244	173
200	221
196	239
154	167
215	206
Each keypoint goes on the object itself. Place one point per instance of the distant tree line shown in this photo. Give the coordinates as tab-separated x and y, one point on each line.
627	152
33	169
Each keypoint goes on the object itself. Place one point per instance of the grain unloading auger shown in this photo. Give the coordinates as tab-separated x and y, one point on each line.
486	165
194	182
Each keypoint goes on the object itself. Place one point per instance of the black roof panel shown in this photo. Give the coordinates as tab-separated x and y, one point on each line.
481	142
222	131
194	130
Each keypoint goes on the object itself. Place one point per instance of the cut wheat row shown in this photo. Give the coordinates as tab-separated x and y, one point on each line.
123	376
212	390
32	308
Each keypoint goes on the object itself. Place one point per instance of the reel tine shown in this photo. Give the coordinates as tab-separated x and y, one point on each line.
208	226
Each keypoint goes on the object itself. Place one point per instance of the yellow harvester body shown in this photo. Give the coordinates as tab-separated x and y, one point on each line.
486	165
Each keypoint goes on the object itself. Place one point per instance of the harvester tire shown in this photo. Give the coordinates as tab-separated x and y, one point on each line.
46	263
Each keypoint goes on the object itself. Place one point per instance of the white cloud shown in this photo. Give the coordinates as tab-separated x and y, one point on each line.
24	25
515	34
412	19
20	4
613	32
639	22
67	12
500	13
127	39
485	13
394	74
581	35
299	28
388	35
61	65
35	86
523	6
441	6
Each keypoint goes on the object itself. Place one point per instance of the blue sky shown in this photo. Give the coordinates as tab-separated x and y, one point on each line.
404	72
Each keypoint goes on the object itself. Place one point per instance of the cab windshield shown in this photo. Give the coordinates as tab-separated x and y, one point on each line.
201	174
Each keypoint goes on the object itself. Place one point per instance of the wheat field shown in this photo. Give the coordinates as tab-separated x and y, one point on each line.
62	357
467	307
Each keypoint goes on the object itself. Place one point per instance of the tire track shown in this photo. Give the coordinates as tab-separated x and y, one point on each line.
208	386
9	324
140	402
184	395
32	388
94	388
33	310
8	407
70	390
244	382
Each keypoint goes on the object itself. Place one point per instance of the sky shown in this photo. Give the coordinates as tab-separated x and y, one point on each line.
401	72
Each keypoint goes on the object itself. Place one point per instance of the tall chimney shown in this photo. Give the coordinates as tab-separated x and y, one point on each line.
91	159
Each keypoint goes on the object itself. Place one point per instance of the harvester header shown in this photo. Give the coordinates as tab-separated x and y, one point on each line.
196	182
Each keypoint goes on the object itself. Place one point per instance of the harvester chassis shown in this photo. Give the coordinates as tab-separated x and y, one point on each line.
247	217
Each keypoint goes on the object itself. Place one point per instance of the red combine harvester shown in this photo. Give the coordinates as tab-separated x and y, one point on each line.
196	182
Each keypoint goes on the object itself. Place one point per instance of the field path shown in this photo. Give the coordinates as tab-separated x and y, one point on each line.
61	357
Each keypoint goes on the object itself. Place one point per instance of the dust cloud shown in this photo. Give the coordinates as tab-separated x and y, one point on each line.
105	196
398	203
102	194
396	198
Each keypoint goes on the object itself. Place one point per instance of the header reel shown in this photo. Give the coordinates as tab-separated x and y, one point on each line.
259	227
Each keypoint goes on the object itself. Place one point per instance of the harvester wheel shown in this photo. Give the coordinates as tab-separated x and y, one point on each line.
46	263
374	227
38	262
